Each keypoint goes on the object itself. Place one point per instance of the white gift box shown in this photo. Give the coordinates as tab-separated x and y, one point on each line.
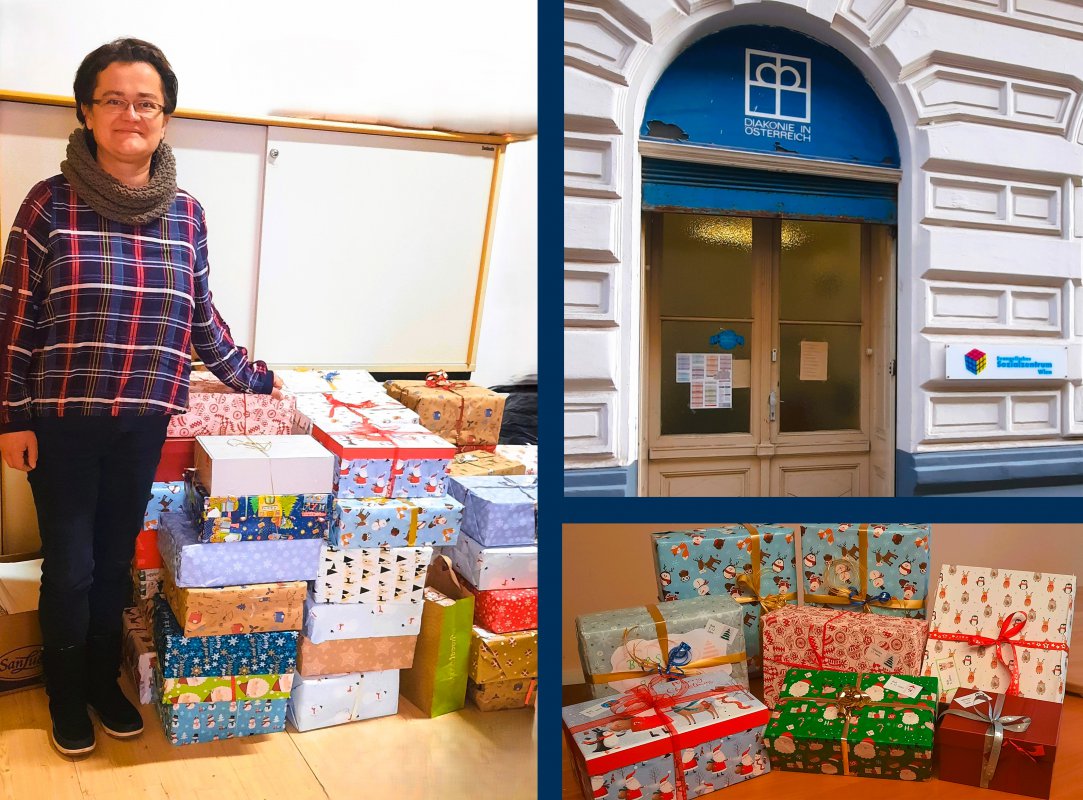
242	466
302	381
327	621
372	574
341	412
318	702
504	567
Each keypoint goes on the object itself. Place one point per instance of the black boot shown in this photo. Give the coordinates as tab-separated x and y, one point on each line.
116	714
65	683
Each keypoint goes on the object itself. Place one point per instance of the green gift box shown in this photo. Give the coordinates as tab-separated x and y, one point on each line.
867	724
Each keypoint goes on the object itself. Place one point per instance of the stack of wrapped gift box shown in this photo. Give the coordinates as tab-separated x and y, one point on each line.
497	559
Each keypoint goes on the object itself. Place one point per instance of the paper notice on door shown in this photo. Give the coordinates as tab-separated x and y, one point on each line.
710	379
813	361
684	367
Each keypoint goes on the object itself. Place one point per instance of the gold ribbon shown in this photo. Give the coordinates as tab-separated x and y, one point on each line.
415	510
769	602
841	597
647	666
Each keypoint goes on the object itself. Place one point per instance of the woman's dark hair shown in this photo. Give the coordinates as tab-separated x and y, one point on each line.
124	51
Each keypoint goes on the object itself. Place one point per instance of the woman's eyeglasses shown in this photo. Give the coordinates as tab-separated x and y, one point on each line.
147	109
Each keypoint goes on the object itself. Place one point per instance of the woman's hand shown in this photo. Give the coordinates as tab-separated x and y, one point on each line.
20	450
276	392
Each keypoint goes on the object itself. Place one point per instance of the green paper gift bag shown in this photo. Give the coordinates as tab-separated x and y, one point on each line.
436	683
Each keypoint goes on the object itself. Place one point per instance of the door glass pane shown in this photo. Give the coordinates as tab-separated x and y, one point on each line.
820	405
693	337
821	271
707	266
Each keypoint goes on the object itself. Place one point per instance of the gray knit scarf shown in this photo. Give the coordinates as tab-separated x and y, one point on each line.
132	205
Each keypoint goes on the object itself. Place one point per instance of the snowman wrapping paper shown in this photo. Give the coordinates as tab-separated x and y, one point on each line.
192	723
754	564
873	725
376	522
1001	630
321	701
877	568
672	739
372	575
625	647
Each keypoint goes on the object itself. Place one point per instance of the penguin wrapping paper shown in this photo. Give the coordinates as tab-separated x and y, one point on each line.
369	654
874	725
622	648
371	575
216	688
379	522
164	496
327	621
525	454
503	695
216	410
674	739
193	723
256	517
1001	630
481	462
513	567
262	465
462	412
754	564
498	509
825	638
502	656
234	654
250	608
140	657
319	702
506	610
305	380
876	568
196	564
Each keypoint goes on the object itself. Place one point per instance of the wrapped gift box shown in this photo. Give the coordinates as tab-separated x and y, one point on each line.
233	654
378	522
195	564
496	567
498	509
371	575
370	654
216	688
145	583
178	455
462	412
164	496
250	608
704	737
525	454
192	723
1024	764
506	610
874	725
319	702
216	410
501	695
502	656
623	648
753	563
146	549
305	380
481	462
140	657
257	517
349	412
1030	613
875	567
262	465
416	478
327	621
844	641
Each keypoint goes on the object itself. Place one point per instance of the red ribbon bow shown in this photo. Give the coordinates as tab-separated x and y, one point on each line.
440	380
1008	629
642	698
355	408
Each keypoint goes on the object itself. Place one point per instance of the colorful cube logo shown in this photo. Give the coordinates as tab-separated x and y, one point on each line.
975	361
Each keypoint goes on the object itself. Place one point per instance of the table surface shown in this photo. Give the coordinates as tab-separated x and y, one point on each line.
777	784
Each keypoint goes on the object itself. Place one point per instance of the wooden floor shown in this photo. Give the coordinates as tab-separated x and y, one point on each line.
468	754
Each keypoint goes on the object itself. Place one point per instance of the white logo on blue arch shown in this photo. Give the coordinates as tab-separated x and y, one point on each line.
778	86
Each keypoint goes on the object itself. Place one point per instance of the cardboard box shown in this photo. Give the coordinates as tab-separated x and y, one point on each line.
502	695
462	412
514	567
322	701
20	635
252	608
371	654
327	621
145	584
480	462
378	522
139	656
262	465
371	575
214	409
502	656
498	509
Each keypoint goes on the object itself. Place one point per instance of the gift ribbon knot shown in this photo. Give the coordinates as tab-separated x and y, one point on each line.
997	724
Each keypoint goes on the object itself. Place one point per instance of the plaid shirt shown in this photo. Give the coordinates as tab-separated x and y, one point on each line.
99	317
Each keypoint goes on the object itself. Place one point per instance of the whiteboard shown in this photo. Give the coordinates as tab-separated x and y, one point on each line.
371	250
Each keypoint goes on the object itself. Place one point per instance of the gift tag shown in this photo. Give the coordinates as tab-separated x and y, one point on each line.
879	657
901	687
971	699
949	678
723	633
465	458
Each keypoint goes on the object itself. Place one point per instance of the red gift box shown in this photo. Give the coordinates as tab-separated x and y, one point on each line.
1025	763
505	610
146	550
177	456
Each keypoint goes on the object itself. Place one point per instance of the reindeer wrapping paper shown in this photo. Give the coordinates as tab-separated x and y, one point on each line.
249	518
525	454
378	522
825	638
216	688
496	567
327	621
306	380
887	732
195	564
502	695
319	702
754	564
251	608
370	654
498	509
875	567
193	723
140	657
216	410
502	656
371	575
462	412
1028	613
164	496
686	739
234	654
619	649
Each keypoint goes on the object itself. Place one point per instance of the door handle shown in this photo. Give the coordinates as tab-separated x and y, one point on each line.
772	405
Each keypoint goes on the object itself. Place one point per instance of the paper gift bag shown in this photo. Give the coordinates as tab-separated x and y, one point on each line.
436	683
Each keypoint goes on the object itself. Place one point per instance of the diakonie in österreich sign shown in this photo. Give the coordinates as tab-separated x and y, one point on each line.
1006	362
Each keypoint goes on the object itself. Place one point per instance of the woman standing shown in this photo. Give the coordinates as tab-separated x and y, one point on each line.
103	293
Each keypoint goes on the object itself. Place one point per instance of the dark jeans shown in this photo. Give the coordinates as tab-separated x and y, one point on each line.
91	487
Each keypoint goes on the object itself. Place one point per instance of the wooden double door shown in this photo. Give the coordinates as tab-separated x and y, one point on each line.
770	357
